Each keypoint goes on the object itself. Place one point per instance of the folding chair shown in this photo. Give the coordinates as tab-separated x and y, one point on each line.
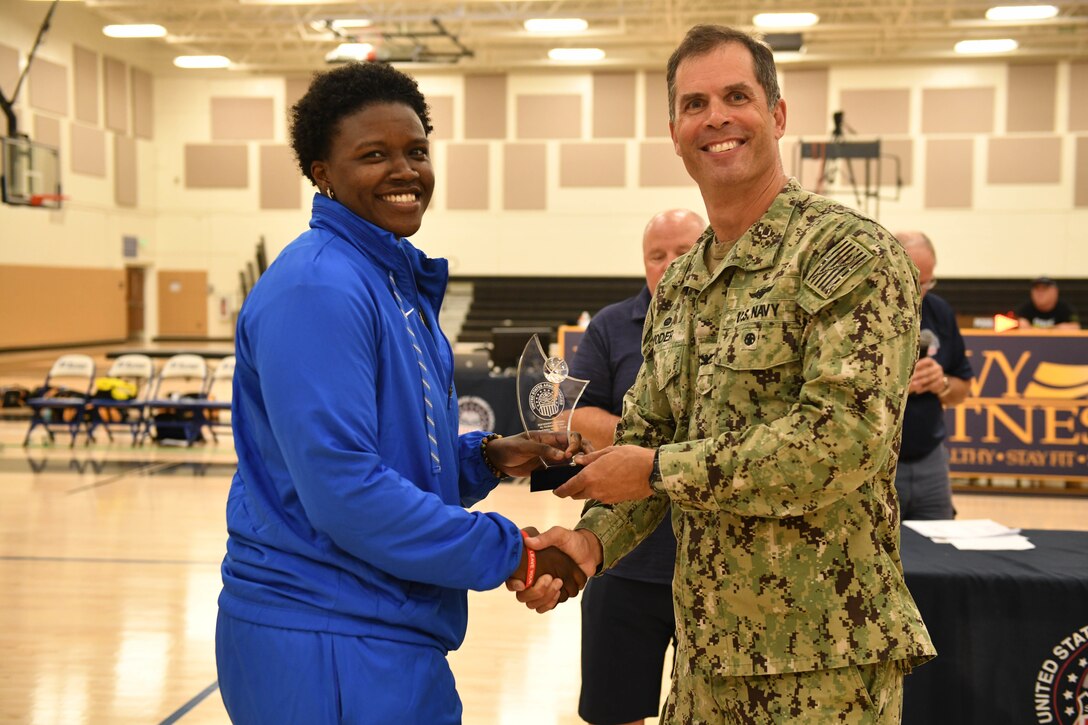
61	402
214	409
131	413
179	389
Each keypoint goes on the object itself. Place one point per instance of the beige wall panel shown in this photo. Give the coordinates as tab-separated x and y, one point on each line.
592	165
61	305
125	176
143	114
808	174
183	303
1030	97
279	178
442	118
658	165
1078	96
218	166
88	150
85	77
525	177
657	105
1024	160
467	169
47	130
9	69
876	111
549	116
613	105
485	106
949	173
1080	183
115	75
48	86
957	110
805	92
903	149
294	89
242	119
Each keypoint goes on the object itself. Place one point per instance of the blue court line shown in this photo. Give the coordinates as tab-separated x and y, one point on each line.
184	709
103	560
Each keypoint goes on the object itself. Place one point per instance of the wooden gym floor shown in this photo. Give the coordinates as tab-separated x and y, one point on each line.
109	573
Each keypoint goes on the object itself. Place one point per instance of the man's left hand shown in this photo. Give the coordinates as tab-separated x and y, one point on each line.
611	475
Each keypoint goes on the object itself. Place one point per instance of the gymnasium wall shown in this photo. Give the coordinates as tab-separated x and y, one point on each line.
542	173
48	306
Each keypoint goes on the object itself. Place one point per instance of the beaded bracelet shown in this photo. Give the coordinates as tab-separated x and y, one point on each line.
483	453
530	566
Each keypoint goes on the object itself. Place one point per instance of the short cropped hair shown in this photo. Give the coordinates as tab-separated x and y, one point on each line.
702	39
338	93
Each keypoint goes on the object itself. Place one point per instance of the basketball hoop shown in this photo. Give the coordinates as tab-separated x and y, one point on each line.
47	199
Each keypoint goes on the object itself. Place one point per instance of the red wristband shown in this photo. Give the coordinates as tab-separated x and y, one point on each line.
530	569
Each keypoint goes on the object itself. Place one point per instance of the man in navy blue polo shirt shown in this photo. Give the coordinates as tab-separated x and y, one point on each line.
940	379
627	614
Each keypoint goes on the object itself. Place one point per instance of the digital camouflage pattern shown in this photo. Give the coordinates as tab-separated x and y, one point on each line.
775	389
870	694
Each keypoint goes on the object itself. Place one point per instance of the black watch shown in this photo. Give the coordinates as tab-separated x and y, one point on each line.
656	484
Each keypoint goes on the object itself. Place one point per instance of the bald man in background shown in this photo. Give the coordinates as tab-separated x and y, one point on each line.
627	613
941	377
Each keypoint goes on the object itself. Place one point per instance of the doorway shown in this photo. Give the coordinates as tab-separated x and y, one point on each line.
134	301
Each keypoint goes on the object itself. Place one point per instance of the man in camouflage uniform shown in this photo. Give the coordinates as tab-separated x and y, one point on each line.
768	412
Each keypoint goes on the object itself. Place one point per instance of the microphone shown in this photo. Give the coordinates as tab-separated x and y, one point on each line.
928	343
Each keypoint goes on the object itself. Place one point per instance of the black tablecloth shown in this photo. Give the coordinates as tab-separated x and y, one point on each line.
1010	628
487	402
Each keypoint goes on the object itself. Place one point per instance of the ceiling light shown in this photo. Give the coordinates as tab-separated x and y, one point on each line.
202	61
1021	12
280	2
134	30
785	20
555	25
997	45
350	23
351	51
576	55
341	24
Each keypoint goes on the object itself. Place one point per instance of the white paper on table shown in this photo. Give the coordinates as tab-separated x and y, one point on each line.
1009	542
945	530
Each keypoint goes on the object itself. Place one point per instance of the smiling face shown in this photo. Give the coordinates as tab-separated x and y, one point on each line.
379	167
723	129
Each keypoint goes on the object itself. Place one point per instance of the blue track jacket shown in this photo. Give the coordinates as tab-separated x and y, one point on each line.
337	521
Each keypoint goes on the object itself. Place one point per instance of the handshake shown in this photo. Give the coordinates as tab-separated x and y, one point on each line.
554	566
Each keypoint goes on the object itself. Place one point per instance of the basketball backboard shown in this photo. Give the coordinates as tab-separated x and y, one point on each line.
31	173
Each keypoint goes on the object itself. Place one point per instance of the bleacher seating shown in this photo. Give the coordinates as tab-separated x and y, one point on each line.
538	301
554	301
976	297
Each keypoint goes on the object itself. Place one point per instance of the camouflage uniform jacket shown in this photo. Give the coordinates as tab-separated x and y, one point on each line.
775	390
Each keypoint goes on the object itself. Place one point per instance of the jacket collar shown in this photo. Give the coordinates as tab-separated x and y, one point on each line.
410	267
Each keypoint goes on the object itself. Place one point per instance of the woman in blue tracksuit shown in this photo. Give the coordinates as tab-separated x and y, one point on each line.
350	552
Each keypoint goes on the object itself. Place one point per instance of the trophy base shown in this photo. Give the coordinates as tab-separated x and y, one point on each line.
549	479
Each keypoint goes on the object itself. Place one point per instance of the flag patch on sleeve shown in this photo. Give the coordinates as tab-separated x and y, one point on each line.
837	265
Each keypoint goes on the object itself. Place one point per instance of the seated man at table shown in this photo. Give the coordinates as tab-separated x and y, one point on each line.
1044	309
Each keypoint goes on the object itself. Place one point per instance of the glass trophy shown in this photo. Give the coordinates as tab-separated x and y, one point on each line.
546	397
